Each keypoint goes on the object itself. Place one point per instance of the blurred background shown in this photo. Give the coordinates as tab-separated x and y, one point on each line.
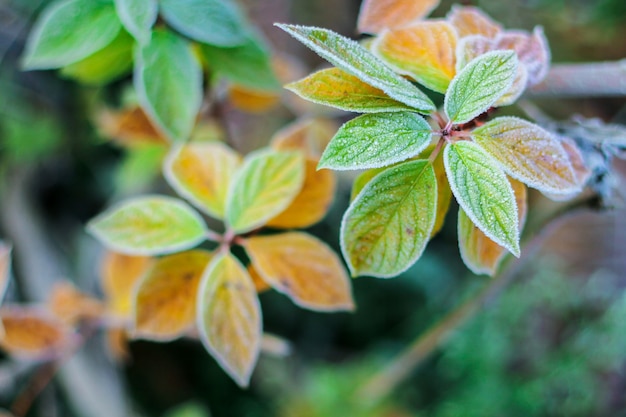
552	343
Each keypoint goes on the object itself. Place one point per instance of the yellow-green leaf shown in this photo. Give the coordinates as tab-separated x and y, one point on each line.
229	317
425	51
150	225
263	187
470	20
377	15
528	153
483	192
387	226
361	181
165	298
302	267
201	172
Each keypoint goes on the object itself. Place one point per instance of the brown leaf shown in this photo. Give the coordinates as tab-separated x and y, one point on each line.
129	127
71	306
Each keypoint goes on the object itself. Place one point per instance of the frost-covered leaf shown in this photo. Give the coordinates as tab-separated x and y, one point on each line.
303	268
69	31
470	20
138	16
425	51
150	225
168	80
532	50
387	226
351	57
165	298
528	153
479	85
483	192
118	276
309	135
481	254
377	15
263	187
229	317
201	172
337	88
361	181
214	22
376	140
581	171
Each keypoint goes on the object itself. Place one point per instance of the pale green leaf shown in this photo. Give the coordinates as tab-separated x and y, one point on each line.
214	22
479	85
69	31
483	192
376	140
353	58
528	153
265	185
168	80
229	317
387	226
151	225
138	16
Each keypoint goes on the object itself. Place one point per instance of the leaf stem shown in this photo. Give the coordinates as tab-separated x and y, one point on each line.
436	151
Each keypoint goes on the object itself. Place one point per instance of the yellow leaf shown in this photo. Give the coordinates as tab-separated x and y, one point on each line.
424	51
444	194
229	317
129	127
303	268
308	135
314	200
252	101
481	254
201	172
377	15
34	334
472	21
119	275
165	300
71	306
259	283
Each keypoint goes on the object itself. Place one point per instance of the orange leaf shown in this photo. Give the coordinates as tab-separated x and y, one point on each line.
128	127
259	283
377	15
303	268
481	254
165	301
424	51
308	135
33	333
470	20
71	306
117	344
313	201
252	101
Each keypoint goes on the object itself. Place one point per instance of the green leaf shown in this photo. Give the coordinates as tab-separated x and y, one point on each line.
214	22
362	180
168	80
139	168
265	185
483	192
109	63
138	16
69	31
387	226
229	317
336	88
248	65
351	57
529	154
151	225
376	140
479	85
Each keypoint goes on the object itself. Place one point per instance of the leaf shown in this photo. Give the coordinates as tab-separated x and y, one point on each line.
69	31
265	185
165	298
150	225
337	88
116	340
310	136
34	334
470	20
387	226
250	100
119	274
479	85
481	254
201	172
313	201
351	57
362	180
444	194
303	268
377	15
229	317
128	127
532	50
528	153
5	268
168	80
110	63
259	283
425	51
214	22
140	167
71	306
138	16
483	192
376	140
